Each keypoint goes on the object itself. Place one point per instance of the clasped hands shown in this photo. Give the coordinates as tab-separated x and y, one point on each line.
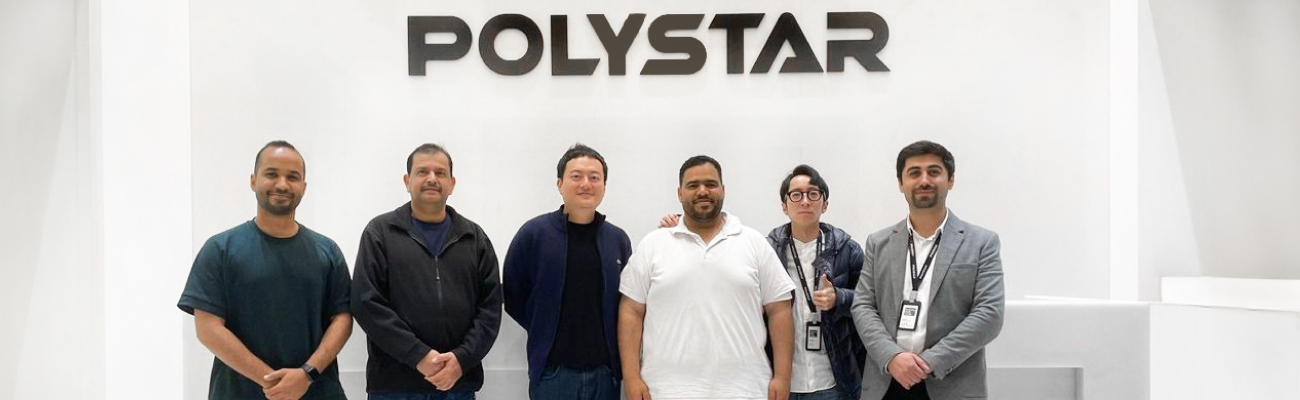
908	369
442	370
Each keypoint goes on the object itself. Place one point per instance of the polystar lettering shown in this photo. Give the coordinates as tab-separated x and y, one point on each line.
616	44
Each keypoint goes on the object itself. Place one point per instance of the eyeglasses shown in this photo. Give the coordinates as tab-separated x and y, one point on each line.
797	196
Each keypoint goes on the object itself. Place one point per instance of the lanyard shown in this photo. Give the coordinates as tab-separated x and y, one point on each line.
918	276
798	267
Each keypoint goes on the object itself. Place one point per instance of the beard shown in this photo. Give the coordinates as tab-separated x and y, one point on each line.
925	203
709	214
930	202
278	209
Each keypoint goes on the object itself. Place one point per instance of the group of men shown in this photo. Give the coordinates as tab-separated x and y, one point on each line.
703	308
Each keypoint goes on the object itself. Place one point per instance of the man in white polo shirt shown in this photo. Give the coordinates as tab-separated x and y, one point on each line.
691	317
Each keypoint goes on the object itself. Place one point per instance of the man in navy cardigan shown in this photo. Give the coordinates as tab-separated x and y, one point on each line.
561	284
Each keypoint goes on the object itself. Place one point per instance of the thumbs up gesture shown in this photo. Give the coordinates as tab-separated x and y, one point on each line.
824	298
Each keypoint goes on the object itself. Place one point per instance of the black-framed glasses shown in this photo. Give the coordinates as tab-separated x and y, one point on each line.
797	196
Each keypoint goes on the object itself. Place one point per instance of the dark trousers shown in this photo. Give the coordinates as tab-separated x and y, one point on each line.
565	383
896	392
440	395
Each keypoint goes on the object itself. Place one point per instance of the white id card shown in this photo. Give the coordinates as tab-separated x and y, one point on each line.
812	335
907	317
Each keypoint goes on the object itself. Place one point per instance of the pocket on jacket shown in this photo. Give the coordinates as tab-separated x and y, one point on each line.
965	266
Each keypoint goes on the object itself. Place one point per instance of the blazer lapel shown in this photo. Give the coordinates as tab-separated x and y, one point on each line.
894	256
954	232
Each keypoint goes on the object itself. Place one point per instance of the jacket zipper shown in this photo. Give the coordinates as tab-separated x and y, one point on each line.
437	268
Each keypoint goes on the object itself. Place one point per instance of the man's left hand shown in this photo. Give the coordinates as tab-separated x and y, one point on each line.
293	383
450	373
824	298
778	389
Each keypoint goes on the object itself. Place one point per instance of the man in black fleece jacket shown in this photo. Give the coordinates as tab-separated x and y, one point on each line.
426	291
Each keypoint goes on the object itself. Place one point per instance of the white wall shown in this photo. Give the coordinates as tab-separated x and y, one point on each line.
1229	69
1167	236
1017	89
52	290
264	71
143	100
95	119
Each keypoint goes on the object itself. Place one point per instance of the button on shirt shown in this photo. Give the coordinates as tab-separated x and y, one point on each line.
812	369
704	333
914	341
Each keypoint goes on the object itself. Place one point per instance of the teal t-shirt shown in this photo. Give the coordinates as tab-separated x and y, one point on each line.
276	295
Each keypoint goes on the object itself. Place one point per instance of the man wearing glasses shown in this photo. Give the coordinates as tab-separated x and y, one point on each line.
825	263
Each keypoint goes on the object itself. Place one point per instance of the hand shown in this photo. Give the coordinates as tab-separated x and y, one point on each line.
636	389
267	383
449	372
291	384
908	369
670	220
427	366
824	298
778	389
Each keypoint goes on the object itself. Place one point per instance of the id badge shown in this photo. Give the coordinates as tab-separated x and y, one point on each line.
812	336
907	317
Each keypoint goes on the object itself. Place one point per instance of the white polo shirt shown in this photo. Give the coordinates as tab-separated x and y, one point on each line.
704	333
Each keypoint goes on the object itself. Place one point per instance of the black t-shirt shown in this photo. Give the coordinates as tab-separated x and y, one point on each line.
580	338
276	295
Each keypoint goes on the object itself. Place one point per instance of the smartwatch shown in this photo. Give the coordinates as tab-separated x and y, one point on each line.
312	373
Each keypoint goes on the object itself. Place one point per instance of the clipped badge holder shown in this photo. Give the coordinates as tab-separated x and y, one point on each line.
812	336
908	315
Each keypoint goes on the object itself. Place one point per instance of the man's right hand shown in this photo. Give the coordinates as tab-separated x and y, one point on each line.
669	220
429	367
908	369
636	389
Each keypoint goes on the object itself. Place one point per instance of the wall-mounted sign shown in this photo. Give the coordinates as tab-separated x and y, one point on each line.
616	43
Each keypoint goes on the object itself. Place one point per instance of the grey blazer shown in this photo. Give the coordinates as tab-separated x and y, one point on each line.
964	315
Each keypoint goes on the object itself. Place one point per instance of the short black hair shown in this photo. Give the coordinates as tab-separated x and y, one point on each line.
698	160
925	147
277	144
814	178
580	150
430	148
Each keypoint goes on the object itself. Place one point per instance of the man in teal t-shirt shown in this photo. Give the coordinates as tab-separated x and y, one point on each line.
270	298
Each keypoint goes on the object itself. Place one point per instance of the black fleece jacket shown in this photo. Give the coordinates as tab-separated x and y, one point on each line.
410	299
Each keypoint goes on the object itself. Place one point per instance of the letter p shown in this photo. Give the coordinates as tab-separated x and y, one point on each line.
418	51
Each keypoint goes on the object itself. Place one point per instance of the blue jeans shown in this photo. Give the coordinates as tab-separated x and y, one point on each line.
454	395
828	394
564	383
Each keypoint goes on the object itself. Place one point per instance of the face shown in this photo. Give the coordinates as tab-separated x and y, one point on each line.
429	181
926	182
803	212
701	193
583	184
279	181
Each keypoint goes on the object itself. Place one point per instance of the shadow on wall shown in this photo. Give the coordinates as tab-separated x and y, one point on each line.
38	169
1229	69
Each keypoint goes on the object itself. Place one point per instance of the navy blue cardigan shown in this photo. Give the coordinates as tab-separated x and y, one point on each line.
533	279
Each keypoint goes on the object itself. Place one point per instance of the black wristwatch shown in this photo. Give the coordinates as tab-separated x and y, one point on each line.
312	373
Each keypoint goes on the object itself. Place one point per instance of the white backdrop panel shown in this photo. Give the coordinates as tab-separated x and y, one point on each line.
1016	88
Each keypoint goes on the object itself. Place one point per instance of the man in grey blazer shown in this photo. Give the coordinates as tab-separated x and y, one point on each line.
930	296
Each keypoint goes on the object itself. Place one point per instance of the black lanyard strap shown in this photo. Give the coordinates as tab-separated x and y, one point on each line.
798	267
918	276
